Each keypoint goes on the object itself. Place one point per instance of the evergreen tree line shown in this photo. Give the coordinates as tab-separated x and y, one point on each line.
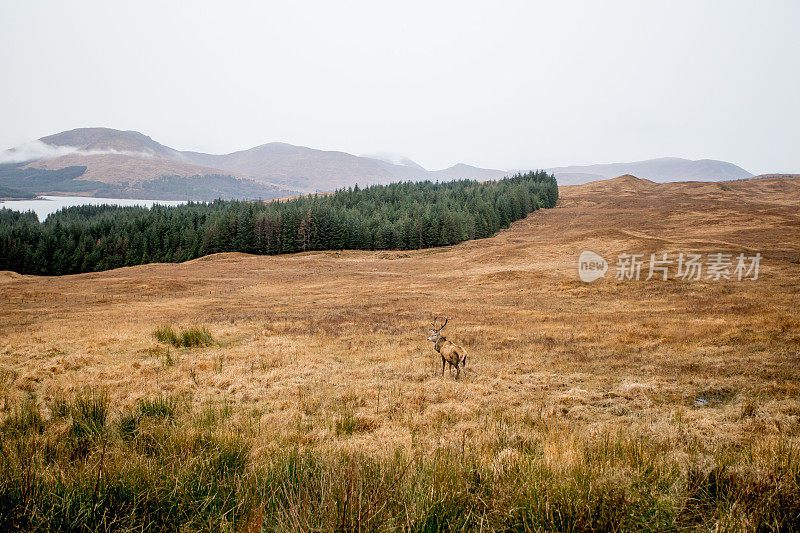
400	216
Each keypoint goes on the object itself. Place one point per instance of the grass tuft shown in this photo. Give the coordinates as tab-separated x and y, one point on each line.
167	335
196	337
193	337
60	408
128	424
89	420
25	418
158	407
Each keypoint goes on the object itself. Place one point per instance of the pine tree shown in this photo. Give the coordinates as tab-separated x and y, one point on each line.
397	216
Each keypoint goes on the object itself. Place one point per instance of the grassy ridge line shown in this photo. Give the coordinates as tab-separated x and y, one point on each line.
161	466
382	217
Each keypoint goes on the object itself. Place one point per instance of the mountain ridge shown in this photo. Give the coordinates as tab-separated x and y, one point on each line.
130	158
101	139
126	160
661	169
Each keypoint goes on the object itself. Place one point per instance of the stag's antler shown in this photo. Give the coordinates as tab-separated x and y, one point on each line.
442	326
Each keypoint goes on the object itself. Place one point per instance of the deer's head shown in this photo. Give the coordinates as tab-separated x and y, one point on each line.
436	333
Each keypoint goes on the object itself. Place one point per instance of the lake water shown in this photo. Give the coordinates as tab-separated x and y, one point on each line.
45	205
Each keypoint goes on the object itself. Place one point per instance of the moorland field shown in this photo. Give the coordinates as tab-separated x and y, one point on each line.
314	402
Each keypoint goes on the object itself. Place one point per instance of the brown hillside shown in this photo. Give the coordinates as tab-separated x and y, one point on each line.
120	169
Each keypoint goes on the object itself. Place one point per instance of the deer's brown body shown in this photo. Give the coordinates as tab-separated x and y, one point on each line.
452	353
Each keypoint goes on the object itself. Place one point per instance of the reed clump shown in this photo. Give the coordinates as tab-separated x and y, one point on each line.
192	337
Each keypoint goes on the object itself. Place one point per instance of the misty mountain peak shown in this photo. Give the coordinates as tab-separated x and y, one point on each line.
108	139
395	159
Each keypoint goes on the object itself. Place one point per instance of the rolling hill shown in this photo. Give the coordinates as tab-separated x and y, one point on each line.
303	168
662	170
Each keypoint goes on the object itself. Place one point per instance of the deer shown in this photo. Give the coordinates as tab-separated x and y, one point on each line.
451	353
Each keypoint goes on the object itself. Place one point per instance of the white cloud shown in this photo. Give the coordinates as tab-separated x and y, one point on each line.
36	150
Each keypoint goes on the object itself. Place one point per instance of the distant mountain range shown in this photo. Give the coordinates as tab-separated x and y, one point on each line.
107	162
128	164
665	169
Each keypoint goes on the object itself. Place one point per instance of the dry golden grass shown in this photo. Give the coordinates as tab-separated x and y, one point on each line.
327	350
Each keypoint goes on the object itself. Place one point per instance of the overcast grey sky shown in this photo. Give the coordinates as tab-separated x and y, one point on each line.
496	84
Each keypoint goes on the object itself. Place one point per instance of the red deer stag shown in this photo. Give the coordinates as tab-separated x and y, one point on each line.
451	353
